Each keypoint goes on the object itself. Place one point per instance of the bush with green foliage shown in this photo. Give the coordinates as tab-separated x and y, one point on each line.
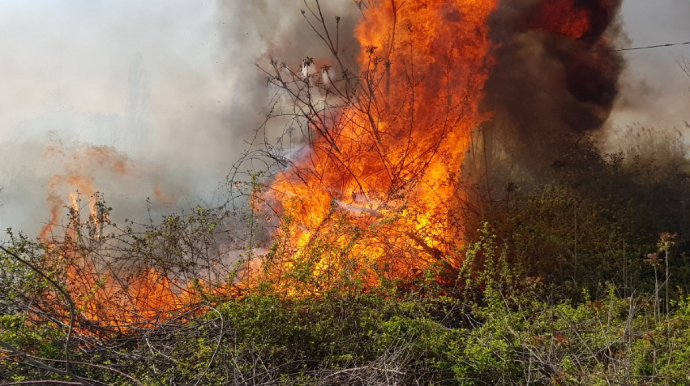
579	279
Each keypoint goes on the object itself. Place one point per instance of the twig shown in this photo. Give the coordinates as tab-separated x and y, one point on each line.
97	366
215	352
42	382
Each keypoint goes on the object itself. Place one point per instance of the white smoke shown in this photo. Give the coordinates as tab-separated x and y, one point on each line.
141	78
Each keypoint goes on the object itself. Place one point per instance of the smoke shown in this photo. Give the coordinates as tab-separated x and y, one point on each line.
654	89
254	32
173	86
555	76
140	81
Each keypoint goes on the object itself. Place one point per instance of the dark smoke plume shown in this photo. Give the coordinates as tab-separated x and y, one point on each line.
555	76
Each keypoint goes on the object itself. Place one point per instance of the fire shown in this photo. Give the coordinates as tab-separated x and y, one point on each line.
375	196
563	17
117	298
378	187
123	302
80	168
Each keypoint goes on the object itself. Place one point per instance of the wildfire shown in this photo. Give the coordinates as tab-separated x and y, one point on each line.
379	186
375	196
111	297
108	296
123	302
80	167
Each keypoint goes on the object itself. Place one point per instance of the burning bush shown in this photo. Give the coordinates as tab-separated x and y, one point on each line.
123	281
368	186
367	180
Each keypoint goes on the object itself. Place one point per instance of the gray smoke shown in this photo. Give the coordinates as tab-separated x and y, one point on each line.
547	86
654	89
136	81
255	32
170	85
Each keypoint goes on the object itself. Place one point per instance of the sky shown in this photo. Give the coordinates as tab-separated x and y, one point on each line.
653	77
171	86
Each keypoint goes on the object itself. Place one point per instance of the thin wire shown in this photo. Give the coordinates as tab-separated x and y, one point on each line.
646	47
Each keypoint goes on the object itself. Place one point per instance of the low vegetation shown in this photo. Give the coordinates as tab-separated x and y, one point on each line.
580	279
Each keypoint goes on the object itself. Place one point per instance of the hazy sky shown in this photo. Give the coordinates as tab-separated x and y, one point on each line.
165	81
661	89
71	71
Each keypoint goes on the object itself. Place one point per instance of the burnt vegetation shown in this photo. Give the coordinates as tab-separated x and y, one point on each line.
354	250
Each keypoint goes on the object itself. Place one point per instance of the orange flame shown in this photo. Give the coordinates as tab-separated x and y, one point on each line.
122	300
117	299
389	161
125	302
377	192
80	167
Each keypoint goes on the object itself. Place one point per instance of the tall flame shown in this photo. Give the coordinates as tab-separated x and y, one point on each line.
389	161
